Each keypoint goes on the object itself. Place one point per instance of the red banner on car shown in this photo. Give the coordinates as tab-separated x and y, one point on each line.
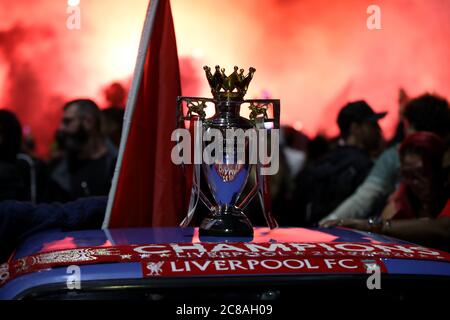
228	258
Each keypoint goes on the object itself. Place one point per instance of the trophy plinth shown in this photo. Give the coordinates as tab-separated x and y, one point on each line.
226	222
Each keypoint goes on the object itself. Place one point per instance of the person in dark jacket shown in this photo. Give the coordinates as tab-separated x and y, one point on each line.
23	176
324	184
87	166
12	180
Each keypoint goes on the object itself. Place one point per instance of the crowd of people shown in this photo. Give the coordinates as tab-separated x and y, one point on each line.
82	158
398	188
358	180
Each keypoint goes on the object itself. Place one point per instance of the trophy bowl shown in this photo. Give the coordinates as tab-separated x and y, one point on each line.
228	175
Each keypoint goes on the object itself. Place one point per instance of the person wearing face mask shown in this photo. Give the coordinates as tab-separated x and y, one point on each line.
419	210
88	160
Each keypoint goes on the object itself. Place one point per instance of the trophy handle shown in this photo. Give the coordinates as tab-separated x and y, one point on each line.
196	192
264	198
262	180
259	123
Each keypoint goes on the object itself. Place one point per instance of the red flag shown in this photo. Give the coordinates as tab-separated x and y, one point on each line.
147	188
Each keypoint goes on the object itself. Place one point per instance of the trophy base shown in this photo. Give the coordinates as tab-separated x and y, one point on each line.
233	223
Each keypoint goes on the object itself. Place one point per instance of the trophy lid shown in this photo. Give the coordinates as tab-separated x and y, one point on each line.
232	87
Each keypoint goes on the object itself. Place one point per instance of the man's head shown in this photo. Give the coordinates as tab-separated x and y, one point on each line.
427	113
80	122
358	124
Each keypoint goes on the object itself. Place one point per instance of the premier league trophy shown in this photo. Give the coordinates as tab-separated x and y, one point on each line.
232	175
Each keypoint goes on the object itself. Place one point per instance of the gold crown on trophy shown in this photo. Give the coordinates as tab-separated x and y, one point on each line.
225	87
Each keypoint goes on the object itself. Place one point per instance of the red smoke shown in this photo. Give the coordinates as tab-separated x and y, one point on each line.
314	55
23	52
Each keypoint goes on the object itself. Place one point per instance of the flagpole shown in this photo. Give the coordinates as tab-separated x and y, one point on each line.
131	102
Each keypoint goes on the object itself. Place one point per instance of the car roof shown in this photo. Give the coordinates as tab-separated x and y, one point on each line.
140	256
60	240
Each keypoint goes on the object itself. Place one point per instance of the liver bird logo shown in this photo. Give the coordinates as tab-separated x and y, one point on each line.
155	268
